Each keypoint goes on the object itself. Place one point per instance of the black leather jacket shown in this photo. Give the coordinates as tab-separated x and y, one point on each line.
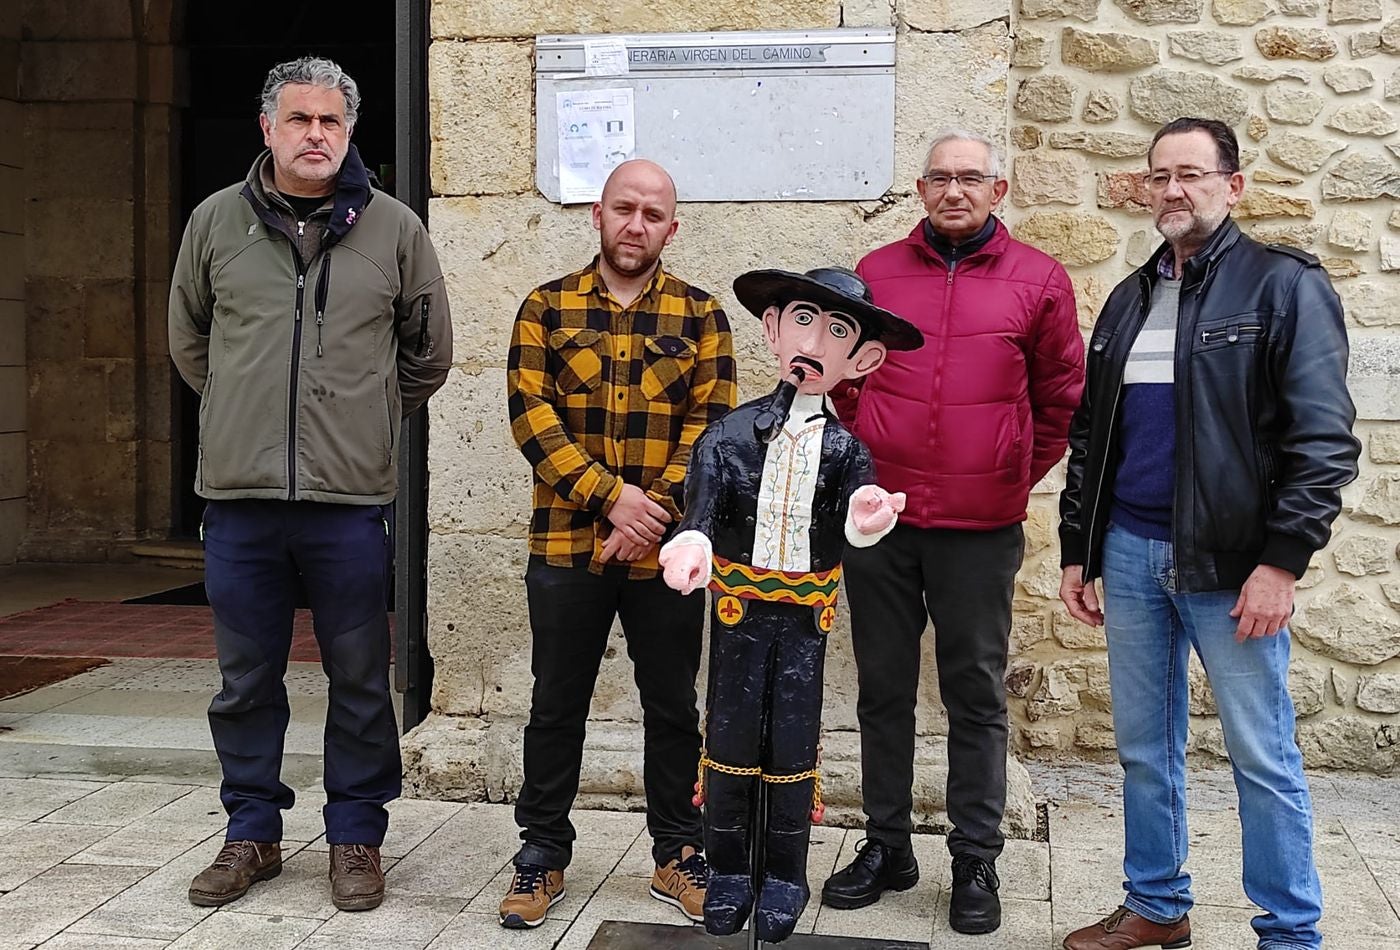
1263	416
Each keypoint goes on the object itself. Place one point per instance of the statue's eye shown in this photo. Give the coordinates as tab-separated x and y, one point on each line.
840	331
803	317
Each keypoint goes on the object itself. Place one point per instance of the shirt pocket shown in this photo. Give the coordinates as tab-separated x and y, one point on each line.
668	361
579	364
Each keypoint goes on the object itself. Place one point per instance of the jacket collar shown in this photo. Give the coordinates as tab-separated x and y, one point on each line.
1203	262
352	192
995	245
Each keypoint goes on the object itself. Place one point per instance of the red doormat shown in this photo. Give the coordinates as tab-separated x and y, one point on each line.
88	629
20	674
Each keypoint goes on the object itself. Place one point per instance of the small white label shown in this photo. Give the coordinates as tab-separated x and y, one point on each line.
605	57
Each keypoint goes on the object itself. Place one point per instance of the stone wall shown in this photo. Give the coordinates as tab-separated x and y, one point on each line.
12	373
498	239
1074	112
1309	85
97	82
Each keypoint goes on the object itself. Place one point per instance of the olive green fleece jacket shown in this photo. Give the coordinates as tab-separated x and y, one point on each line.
307	341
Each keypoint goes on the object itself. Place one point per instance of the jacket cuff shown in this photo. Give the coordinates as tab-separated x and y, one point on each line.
1287	552
1073	550
605	500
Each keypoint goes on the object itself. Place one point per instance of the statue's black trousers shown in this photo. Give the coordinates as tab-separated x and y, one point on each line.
763	709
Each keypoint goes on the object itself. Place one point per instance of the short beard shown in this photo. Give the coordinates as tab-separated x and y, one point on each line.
637	271
1197	228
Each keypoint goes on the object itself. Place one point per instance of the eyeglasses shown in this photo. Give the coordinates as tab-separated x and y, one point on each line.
939	181
1186	177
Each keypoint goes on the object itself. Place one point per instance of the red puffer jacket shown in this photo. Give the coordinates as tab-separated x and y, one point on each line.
969	422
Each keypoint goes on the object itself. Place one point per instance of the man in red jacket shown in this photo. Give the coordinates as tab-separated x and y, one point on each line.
964	427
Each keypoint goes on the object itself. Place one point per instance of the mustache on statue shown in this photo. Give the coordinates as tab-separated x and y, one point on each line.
769	422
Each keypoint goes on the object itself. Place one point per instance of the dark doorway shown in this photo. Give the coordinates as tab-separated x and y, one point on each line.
231	47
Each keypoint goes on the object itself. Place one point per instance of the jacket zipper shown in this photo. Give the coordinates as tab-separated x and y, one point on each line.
296	366
1231	334
422	325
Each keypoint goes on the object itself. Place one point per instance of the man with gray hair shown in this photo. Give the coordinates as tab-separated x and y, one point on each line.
964	427
304	375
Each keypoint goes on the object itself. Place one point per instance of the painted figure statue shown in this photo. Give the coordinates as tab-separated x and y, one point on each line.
775	491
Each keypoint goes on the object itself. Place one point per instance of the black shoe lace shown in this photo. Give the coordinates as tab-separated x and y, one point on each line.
969	867
528	878
234	853
357	859
868	853
695	870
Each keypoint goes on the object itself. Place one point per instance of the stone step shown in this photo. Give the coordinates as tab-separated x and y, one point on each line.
182	554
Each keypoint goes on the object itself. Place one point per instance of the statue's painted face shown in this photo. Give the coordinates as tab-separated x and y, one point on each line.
823	343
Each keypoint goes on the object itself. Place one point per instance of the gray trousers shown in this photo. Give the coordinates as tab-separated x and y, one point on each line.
963	582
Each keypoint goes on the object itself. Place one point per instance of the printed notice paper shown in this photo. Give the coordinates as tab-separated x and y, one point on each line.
595	136
605	57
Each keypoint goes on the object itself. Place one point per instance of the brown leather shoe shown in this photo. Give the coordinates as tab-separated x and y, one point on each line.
240	864
533	890
357	877
1125	930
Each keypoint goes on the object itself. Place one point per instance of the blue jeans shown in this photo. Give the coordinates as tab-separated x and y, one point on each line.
1151	630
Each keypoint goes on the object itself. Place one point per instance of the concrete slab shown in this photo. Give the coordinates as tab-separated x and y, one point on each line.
470	929
157	704
463	855
158	905
30	585
1091	882
585	874
620	898
1024	924
241	929
405	921
28	799
44	698
34	847
118	804
1354	907
46	904
302	890
1374	839
55	728
67	941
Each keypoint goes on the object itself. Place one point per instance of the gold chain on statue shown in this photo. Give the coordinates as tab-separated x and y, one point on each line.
818	808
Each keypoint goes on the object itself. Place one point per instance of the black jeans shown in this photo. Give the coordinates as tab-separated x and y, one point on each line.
571	614
255	555
963	581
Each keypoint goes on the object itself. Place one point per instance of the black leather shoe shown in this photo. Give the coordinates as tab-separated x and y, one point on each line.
876	869
975	907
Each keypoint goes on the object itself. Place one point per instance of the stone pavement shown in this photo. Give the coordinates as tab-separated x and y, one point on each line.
108	806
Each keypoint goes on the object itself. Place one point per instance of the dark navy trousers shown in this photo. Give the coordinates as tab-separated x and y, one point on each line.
256	555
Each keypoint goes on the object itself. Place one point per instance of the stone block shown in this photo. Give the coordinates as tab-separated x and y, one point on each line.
1364	43
1046	178
1207	46
1342	268
1262	203
973	96
1141	245
1241	12
1353	11
868	13
9	69
1300	236
11	267
945	16
1163	11
1106	52
1090	292
1266	74
1291	42
1025	138
479	117
1124	190
1344	79
1349	742
109	320
62	231
471	445
1373	377
12	127
1031	50
1106	144
1379	692
13	464
1300	152
76	20
99	70
1257	128
1363	118
1165	94
1385	445
1390	36
13	401
1045	98
1390	253
1351	230
1101	106
1073	635
11	200
68	401
81	491
1028	629
1272	176
1361	176
1292	106
1307	685
12	528
465	19
12	351
1085	10
1345	623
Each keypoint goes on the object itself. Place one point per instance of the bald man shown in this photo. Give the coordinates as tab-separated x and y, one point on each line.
614	370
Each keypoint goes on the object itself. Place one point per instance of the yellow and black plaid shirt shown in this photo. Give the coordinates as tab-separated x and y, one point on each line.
602	395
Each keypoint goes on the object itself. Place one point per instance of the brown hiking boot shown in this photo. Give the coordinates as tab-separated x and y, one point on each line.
357	878
682	884
1125	930
533	890
240	864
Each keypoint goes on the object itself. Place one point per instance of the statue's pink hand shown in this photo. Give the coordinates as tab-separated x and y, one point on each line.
685	567
873	509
